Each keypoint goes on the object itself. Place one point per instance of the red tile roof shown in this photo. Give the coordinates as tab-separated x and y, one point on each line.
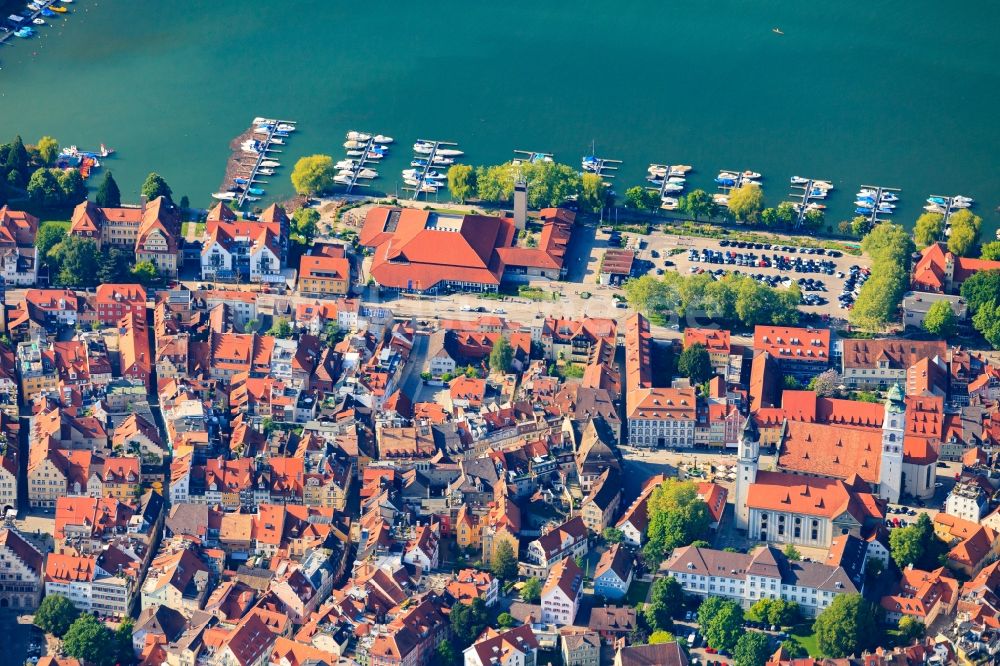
416	249
829	498
787	342
835	451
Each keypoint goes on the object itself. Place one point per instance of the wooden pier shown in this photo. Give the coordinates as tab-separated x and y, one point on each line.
812	188
422	185
873	217
356	179
601	166
249	171
665	187
531	157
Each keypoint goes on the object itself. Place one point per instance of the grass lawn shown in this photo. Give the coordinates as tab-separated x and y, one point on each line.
199	229
637	592
806	637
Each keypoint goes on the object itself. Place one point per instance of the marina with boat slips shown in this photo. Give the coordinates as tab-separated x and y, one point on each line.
255	155
36	14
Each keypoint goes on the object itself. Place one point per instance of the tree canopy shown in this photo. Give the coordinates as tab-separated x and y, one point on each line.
698	204
501	356
53	188
965	228
666	601
641	198
774	611
847	626
990	251
891	248
732	300
549	183
721	622
305	223
108	195
55	614
504	564
461	181
752	649
987	322
313	174
928	229
593	192
677	516
468	621
155	186
50	234
695	363
145	273
826	383
940	319
745	202
90	641
48	149
661	636
531	591
78	262
916	544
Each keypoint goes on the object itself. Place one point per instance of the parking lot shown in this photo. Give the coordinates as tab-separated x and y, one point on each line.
823	276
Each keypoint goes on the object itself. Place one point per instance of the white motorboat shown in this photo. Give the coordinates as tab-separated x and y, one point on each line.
727	175
823	184
955	203
682	168
959	197
358	136
669	203
372	156
442	161
285	127
263	121
345	164
935	208
262	129
343	180
449	152
355	153
266	172
677	179
423	149
382	138
278	141
750	174
747	181
672	187
38	21
270	164
409	180
368	173
252	199
351	144
867	193
657	170
429	187
224	196
799	180
346	172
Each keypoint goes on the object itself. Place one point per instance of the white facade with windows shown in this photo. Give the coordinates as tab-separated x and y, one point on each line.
765	574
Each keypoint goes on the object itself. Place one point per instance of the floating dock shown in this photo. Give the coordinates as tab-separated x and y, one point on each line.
602	166
425	184
881	198
371	151
807	193
668	181
246	166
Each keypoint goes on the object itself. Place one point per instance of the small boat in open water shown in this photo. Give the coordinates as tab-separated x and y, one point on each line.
224	196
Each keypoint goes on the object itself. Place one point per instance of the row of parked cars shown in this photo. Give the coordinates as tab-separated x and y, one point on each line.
856	278
782	248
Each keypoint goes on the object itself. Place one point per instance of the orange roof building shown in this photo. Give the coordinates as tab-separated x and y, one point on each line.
801	352
938	270
421	251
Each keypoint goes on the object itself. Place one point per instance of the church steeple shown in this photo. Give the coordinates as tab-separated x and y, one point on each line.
749	457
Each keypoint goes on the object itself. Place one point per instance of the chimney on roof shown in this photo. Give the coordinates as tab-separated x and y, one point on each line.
520	202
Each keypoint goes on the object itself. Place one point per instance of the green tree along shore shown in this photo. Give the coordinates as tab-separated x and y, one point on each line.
549	184
891	248
733	299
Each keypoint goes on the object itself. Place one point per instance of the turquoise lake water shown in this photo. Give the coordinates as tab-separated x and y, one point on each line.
896	93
